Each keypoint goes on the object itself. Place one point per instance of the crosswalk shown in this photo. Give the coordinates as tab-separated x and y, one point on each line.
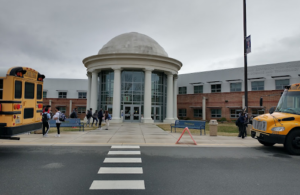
124	160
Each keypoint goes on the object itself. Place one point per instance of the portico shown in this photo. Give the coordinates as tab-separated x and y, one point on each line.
134	79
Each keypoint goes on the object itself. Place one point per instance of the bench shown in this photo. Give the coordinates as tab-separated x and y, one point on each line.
190	124
69	122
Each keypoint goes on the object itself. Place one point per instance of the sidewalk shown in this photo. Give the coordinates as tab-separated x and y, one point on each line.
130	134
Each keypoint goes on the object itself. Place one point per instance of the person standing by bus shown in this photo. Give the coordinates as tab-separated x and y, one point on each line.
241	122
56	117
45	119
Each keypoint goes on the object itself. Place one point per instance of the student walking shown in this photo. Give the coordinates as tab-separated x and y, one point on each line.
95	118
89	116
56	117
241	122
100	116
74	113
45	119
107	118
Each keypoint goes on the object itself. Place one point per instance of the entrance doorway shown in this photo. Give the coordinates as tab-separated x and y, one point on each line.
132	113
109	108
156	113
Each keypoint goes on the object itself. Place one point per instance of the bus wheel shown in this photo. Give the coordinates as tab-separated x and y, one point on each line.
266	143
292	143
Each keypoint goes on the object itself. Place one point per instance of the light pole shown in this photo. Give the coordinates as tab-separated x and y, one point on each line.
245	57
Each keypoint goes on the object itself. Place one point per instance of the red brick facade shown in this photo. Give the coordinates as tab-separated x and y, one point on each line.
76	103
226	101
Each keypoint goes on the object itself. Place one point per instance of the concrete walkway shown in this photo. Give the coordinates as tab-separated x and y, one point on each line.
130	134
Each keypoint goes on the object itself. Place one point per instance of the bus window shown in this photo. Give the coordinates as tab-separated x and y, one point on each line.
18	89
28	113
29	90
39	92
1	89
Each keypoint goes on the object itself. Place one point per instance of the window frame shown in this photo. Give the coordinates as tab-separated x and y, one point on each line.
258	110
45	96
198	114
80	108
279	87
61	95
37	91
198	91
236	113
215	115
63	108
182	90
216	89
19	97
26	94
257	87
81	95
182	112
235	88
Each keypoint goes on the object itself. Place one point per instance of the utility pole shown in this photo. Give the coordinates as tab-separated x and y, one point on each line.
245	57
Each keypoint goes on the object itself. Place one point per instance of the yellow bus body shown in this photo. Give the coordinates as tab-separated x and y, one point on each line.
21	101
283	125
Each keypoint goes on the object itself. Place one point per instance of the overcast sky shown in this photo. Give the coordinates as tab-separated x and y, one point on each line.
54	37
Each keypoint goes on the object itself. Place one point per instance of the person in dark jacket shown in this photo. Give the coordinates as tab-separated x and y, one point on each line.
242	125
100	116
74	114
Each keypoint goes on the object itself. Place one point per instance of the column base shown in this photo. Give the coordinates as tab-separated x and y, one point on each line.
169	120
116	120
147	120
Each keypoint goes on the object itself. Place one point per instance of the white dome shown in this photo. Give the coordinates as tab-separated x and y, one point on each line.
133	43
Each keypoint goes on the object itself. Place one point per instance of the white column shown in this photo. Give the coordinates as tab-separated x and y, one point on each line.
117	96
147	97
243	102
170	94
175	96
50	102
70	108
203	108
94	91
88	95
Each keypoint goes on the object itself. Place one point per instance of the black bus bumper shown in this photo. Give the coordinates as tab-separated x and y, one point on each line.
270	138
11	131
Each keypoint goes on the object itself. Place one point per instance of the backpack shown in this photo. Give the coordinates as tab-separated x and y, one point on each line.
237	122
109	117
62	117
72	115
45	118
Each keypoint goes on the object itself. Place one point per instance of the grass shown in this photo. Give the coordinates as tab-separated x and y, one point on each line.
227	129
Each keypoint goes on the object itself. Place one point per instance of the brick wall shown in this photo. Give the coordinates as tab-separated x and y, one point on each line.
225	100
66	103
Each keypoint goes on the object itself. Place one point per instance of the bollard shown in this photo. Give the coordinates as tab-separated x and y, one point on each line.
213	127
248	129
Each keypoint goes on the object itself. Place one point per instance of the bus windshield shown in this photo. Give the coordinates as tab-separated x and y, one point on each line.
289	102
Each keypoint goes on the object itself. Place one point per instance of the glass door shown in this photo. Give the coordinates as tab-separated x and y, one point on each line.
132	113
136	113
127	113
156	113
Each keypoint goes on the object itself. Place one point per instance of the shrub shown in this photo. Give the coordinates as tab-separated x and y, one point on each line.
222	120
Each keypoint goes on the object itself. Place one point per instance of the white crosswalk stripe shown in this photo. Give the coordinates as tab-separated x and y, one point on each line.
118	185
125	147
124	153
122	160
120	170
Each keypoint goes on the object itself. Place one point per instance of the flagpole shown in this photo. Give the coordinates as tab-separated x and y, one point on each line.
245	57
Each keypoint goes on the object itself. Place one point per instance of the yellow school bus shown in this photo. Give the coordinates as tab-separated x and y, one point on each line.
281	125
21	101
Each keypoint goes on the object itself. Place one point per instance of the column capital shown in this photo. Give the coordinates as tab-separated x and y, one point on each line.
170	73
89	74
116	68
148	69
175	76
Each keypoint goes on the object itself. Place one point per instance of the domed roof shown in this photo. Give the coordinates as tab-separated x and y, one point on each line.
133	43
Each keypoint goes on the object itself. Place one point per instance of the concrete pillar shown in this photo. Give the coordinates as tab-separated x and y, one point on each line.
70	108
243	102
50	102
203	108
117	96
88	95
94	91
147	97
170	94
175	97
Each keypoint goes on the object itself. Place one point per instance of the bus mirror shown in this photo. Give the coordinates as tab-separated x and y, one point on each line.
272	109
261	101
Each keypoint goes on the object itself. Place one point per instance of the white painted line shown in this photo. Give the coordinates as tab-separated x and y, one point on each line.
124	153
120	147
118	185
120	170
122	160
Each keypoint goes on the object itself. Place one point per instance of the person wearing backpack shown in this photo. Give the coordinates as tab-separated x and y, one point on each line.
89	116
58	122
45	119
95	118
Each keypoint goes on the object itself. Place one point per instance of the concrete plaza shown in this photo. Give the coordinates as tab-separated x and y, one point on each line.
130	134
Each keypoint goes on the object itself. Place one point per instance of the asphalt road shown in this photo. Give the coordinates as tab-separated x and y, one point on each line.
166	170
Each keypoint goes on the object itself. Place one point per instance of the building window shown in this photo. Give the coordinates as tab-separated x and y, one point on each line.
280	84
82	95
216	88
44	94
197	112
235	87
182	90
256	112
1	89
258	85
181	112
216	113
198	89
62	109
81	110
62	94
235	113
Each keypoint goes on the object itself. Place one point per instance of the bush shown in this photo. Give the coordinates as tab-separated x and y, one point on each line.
222	120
